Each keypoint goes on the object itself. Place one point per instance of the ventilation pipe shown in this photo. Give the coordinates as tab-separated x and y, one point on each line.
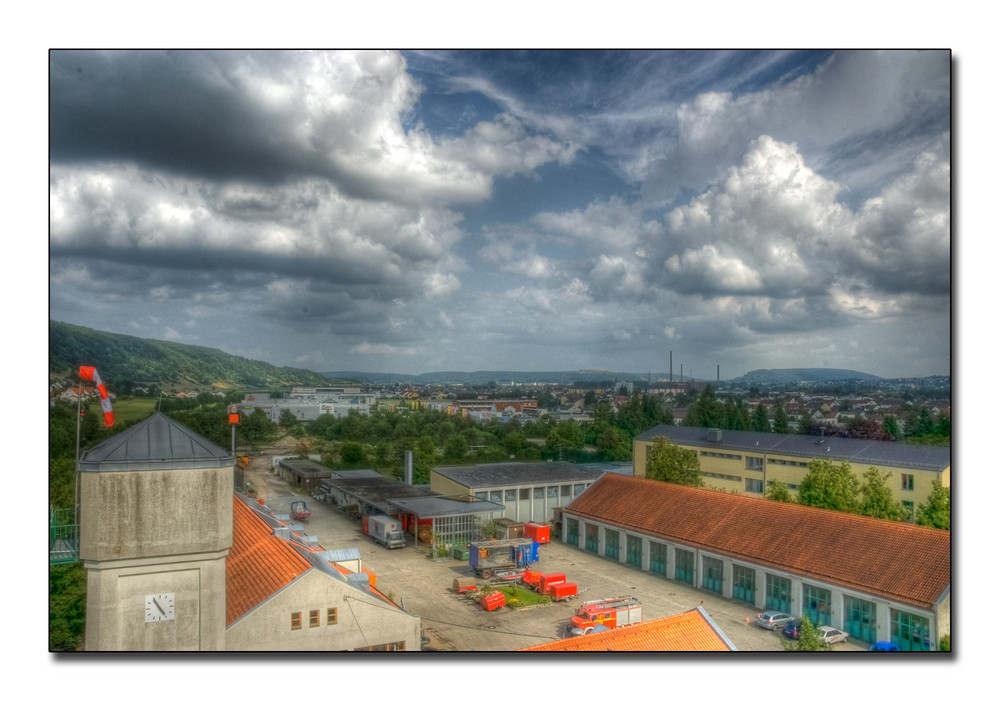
408	466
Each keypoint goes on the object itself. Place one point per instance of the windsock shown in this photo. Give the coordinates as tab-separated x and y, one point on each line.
90	373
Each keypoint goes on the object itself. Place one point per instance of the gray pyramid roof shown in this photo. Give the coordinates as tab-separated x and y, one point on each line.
157	443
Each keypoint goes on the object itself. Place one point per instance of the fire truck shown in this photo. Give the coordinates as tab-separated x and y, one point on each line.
608	613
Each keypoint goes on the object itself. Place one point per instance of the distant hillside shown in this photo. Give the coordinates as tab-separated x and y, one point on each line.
484	377
124	361
770	377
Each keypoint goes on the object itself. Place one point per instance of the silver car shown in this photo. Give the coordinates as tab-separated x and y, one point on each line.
772	620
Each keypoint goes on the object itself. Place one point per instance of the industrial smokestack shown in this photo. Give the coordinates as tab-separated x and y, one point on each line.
408	466
716	373
671	366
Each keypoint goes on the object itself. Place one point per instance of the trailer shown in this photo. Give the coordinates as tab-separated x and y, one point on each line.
386	531
504	559
560	591
611	613
538	532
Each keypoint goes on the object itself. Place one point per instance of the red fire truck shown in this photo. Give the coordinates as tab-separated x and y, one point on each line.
609	613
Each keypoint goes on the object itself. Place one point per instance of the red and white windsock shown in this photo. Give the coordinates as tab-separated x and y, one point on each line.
90	373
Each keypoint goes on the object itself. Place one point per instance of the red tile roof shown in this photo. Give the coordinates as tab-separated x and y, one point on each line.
907	563
693	631
259	563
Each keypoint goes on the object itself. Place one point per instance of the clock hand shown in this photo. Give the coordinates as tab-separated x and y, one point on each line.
157	604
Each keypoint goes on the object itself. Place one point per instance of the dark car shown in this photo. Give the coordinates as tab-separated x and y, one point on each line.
791	629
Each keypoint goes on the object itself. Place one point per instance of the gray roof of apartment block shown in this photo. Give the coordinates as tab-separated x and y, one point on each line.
836	448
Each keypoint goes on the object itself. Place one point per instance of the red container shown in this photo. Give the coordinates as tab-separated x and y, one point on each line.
547	580
561	590
493	601
531	578
537	532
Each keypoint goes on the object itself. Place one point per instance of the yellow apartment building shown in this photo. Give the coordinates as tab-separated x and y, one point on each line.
746	462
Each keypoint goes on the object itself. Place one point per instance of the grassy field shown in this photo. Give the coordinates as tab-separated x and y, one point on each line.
129	408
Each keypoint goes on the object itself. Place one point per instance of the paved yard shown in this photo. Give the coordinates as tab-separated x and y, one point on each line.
452	622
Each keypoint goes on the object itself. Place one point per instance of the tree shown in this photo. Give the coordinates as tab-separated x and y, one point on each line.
614	444
891	428
456	448
286	419
759	420
830	486
671	463
876	497
936	511
352	453
808	641
780	418
778	491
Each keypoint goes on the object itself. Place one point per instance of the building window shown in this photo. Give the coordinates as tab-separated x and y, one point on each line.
907	483
577	489
816	604
744	584
859	619
611	544
552	492
331	617
908	505
779	593
314	618
909	631
510	495
755	486
564	490
658	557
481	495
297	620
684	569
756	464
711	574
539	492
633	550
496	496
572	531
524	494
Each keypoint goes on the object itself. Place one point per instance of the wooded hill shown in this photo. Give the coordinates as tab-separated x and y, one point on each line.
128	361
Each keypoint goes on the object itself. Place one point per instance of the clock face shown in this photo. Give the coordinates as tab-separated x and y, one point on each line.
159	607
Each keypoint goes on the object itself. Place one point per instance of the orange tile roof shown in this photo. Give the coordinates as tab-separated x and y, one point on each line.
901	561
693	631
259	563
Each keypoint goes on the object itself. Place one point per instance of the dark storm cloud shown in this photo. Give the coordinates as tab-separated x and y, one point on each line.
179	110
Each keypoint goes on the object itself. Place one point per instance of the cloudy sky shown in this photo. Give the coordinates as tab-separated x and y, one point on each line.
421	211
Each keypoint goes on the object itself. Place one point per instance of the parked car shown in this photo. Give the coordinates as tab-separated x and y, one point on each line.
831	635
883	646
772	620
791	629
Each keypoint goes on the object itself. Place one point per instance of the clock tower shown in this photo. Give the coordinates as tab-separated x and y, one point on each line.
156	524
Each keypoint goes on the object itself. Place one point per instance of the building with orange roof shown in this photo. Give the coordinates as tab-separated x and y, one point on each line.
176	562
284	592
875	579
693	631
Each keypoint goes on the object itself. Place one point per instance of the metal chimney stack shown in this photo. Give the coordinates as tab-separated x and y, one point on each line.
408	466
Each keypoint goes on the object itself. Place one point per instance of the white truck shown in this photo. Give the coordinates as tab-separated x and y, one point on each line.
386	531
